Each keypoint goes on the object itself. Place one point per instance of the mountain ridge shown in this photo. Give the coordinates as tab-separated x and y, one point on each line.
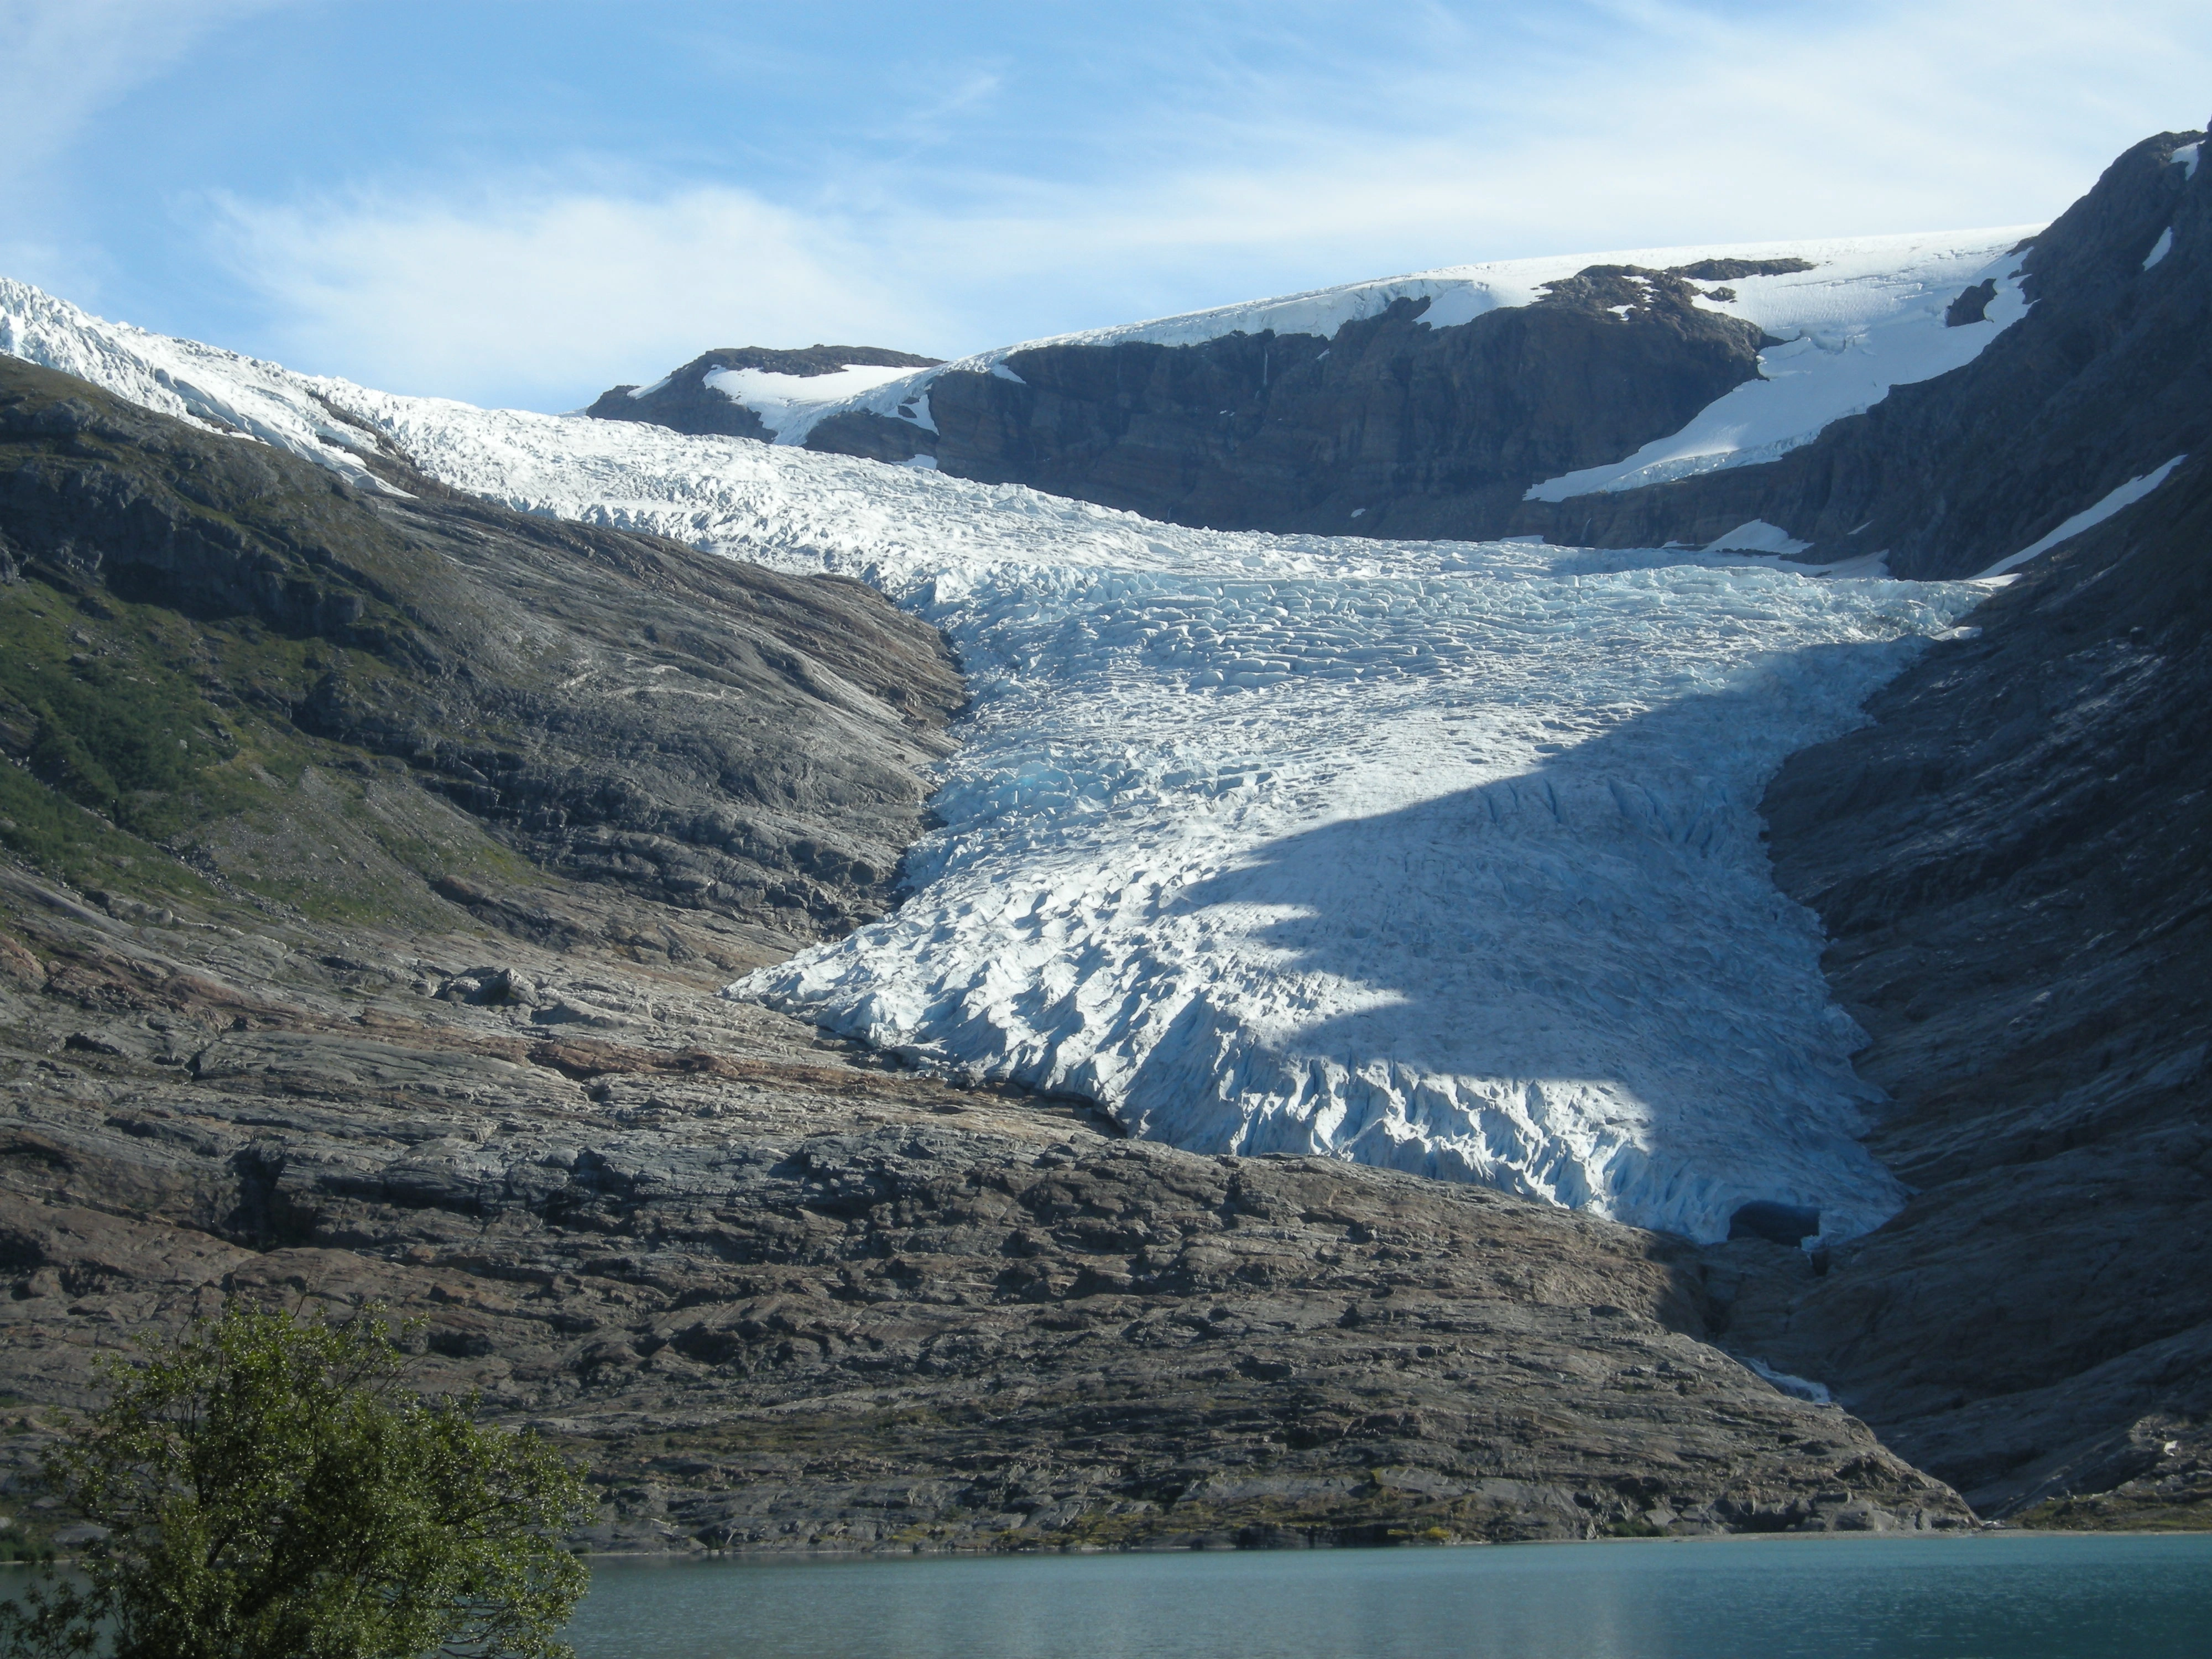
1444	437
2005	857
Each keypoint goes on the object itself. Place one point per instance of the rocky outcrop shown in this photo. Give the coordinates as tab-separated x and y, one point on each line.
778	1296
685	403
1390	426
612	707
1396	428
2107	377
2014	862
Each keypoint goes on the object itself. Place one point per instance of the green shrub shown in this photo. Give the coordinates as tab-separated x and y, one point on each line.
272	1491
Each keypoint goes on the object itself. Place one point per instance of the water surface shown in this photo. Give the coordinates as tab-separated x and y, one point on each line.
2013	1597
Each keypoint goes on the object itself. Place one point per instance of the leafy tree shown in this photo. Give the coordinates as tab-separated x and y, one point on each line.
272	1489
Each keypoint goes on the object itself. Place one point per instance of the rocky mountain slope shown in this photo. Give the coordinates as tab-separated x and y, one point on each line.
779	1297
685	401
375	855
1410	421
625	710
1431	431
374	860
2011	862
2106	377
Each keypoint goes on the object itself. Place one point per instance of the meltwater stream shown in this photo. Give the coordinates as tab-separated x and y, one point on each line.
2021	1596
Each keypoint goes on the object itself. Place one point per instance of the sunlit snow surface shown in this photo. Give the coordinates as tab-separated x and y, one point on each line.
1457	873
791	405
1434	855
1868	316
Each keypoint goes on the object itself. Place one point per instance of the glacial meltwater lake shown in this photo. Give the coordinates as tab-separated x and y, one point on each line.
2007	1596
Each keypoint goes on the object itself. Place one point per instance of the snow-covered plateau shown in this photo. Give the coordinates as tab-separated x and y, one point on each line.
1441	856
1865	314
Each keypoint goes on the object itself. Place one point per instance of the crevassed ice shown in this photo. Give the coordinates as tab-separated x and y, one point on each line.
1458	873
1434	855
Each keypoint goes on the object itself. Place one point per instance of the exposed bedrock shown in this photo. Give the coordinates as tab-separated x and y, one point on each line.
2108	376
1417	430
307	989
2014	863
685	403
1396	428
778	1296
615	707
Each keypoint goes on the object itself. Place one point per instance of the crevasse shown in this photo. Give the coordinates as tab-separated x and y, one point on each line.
1458	872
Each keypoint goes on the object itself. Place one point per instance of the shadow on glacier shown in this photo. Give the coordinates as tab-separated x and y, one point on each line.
1578	983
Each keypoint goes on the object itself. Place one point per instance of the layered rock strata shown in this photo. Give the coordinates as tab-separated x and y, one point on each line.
779	1296
2014	862
374	860
613	708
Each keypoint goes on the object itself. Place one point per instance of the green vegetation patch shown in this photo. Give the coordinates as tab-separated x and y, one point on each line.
137	742
2120	1511
112	723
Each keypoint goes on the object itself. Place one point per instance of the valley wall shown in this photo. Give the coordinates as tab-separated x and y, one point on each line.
373	862
373	856
1393	427
2011	862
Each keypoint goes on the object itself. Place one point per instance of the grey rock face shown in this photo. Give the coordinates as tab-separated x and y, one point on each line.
1395	428
778	1295
1420	430
2107	377
2012	863
781	1296
620	709
685	403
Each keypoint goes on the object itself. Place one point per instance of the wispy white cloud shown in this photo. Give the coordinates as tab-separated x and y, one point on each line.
527	294
62	63
1457	135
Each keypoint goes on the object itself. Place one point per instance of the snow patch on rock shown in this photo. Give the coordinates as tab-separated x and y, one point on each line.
791	405
1836	360
1757	537
2088	518
194	382
1851	330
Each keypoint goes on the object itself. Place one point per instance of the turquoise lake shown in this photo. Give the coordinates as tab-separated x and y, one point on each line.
2005	1596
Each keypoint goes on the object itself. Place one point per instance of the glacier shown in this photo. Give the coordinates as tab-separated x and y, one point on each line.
1457	872
1441	856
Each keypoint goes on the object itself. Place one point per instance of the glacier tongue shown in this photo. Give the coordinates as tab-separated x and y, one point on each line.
1457	873
1436	855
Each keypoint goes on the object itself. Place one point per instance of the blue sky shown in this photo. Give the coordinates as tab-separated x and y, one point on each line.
524	201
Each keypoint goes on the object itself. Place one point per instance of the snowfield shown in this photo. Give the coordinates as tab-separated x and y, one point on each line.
1439	856
1868	315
